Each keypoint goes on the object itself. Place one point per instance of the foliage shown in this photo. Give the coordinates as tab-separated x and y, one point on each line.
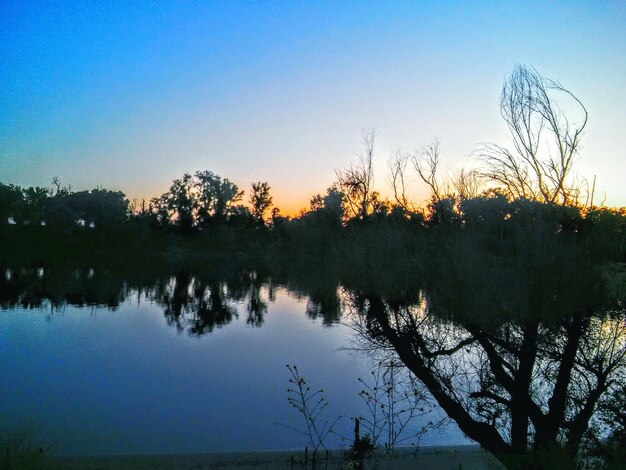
260	200
216	196
181	202
10	198
329	208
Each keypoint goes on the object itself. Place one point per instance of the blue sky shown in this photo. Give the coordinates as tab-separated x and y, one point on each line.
130	95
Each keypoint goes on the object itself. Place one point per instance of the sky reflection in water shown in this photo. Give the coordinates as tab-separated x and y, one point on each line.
96	381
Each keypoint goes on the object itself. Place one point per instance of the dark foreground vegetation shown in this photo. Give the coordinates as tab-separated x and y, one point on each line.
504	297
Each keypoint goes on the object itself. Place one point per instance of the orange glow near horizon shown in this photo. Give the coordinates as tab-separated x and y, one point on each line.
289	204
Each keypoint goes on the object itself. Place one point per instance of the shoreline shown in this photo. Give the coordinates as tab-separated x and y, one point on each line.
434	457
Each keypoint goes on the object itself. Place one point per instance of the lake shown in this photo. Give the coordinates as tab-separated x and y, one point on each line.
102	362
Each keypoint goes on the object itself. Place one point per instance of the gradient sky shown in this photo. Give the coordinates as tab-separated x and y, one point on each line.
130	95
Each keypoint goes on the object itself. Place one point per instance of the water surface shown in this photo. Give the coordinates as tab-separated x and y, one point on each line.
97	364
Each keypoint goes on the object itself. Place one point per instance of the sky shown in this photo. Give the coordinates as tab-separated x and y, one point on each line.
130	95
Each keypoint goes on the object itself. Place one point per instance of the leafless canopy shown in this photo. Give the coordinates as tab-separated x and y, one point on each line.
467	184
397	164
545	140
426	163
357	180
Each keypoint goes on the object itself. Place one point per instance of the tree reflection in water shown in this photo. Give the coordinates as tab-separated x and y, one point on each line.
195	302
517	332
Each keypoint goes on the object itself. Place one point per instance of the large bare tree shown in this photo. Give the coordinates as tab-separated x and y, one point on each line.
546	122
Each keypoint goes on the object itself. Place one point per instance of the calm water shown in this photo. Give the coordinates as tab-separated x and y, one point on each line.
152	373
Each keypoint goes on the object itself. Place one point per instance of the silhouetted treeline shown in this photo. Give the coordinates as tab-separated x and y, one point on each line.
200	216
379	254
63	207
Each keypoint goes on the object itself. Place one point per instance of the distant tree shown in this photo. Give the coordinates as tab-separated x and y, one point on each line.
546	140
59	210
182	203
329	207
159	211
260	200
316	203
490	213
443	211
240	216
467	184
31	206
277	219
608	227
356	182
426	164
216	196
10	199
56	182
380	207
333	204
101	207
139	210
397	164
36	200
96	208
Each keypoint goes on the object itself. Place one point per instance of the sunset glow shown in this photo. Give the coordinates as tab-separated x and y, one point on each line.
131	96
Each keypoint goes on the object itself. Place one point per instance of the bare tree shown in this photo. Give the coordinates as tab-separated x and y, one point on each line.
356	181
397	164
426	164
545	140
467	184
56	181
